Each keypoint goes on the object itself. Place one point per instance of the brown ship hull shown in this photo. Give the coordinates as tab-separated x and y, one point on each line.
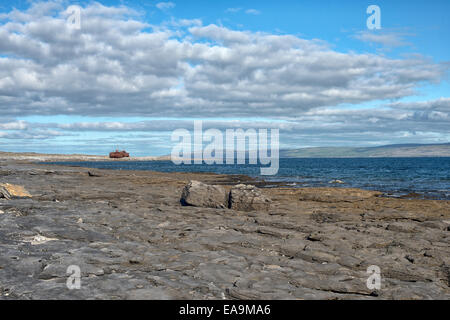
119	155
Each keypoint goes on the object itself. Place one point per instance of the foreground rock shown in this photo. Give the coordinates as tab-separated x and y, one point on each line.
199	194
131	239
248	198
10	191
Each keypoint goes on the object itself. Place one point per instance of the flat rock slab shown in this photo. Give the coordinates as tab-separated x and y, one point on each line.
336	194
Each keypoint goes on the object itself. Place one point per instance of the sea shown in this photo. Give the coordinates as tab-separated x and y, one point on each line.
425	178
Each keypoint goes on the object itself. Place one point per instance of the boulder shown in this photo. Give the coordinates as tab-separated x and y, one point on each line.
247	198
10	191
199	194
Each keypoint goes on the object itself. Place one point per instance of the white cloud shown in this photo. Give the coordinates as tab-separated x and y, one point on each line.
252	11
233	10
14	125
247	11
165	5
387	39
442	104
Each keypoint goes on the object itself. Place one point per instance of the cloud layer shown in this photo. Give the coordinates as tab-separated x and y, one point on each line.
117	65
322	126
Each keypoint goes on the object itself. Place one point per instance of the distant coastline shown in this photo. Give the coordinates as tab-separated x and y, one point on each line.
385	151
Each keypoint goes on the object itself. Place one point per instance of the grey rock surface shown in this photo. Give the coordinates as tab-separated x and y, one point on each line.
336	194
132	239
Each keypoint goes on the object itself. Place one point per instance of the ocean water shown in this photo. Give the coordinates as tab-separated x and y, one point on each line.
427	177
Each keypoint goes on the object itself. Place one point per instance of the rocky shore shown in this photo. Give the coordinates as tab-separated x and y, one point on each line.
133	238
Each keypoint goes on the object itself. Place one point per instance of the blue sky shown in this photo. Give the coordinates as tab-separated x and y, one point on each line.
223	50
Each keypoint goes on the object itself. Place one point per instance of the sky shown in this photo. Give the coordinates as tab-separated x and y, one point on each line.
135	71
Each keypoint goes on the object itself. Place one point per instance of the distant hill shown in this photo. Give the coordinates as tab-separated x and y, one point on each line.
393	150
